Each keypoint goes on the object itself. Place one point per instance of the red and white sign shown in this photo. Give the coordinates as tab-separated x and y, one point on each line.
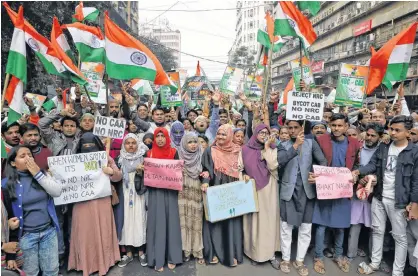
333	183
163	173
362	28
317	67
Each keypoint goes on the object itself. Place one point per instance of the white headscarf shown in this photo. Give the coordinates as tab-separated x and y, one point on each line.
129	161
192	160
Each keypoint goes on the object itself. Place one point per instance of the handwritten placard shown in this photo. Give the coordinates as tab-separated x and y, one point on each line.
163	173
333	183
109	127
305	106
230	200
81	176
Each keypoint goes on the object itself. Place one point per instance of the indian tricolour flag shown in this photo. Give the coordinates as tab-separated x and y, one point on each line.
89	41
16	67
266	37
290	21
40	45
142	87
62	40
390	64
85	14
127	58
76	75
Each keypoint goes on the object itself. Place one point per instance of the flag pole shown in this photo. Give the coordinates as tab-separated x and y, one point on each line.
107	112
264	97
6	83
301	78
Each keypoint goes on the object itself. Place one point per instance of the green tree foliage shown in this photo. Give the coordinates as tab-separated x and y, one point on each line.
40	15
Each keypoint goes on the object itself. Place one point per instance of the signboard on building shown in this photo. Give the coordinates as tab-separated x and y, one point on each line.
362	28
317	67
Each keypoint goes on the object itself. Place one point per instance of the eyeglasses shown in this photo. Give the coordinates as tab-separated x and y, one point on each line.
263	133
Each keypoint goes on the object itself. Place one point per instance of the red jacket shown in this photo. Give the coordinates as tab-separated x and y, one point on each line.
351	158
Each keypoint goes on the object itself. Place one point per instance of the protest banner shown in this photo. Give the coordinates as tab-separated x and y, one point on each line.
109	127
305	106
231	80
253	87
163	173
352	83
81	176
307	75
333	183
230	200
94	71
168	96
193	85
38	100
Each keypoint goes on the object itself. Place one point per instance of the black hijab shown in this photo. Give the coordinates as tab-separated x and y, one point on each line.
89	138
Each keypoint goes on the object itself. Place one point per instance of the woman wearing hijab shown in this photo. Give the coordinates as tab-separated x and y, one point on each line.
239	136
222	240
163	222
94	243
176	133
262	230
190	198
135	215
148	139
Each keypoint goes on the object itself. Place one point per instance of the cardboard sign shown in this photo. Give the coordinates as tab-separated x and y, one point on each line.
81	176
231	80
230	200
305	106
94	71
163	174
352	84
306	76
168	96
253	87
109	127
38	100
333	183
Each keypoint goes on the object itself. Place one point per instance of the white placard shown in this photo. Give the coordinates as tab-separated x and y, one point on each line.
81	176
109	127
305	106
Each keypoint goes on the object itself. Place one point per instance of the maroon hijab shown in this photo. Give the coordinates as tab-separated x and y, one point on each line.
254	165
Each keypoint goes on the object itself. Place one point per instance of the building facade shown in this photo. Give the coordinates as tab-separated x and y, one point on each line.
163	34
250	17
128	12
345	32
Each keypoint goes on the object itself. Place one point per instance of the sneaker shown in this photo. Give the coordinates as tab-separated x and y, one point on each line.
125	261
143	260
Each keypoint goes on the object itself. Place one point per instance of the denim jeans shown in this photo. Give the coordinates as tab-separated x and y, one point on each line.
319	241
381	210
40	250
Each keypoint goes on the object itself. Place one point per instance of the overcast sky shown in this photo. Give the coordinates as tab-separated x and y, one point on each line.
207	34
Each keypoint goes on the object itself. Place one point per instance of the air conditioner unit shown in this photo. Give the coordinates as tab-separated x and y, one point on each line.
371	37
372	3
358	6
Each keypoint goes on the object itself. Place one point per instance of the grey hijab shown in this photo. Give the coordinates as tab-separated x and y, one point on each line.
192	160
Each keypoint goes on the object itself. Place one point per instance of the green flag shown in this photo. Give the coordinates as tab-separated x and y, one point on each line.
49	105
3	149
312	6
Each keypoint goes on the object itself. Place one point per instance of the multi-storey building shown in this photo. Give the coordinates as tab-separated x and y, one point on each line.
162	33
250	17
346	30
128	11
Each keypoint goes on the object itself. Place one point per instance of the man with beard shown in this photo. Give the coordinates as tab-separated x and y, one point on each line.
31	137
360	208
201	122
114	107
319	128
10	135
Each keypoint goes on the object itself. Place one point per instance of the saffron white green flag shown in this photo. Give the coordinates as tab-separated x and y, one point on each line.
89	41
85	14
16	67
